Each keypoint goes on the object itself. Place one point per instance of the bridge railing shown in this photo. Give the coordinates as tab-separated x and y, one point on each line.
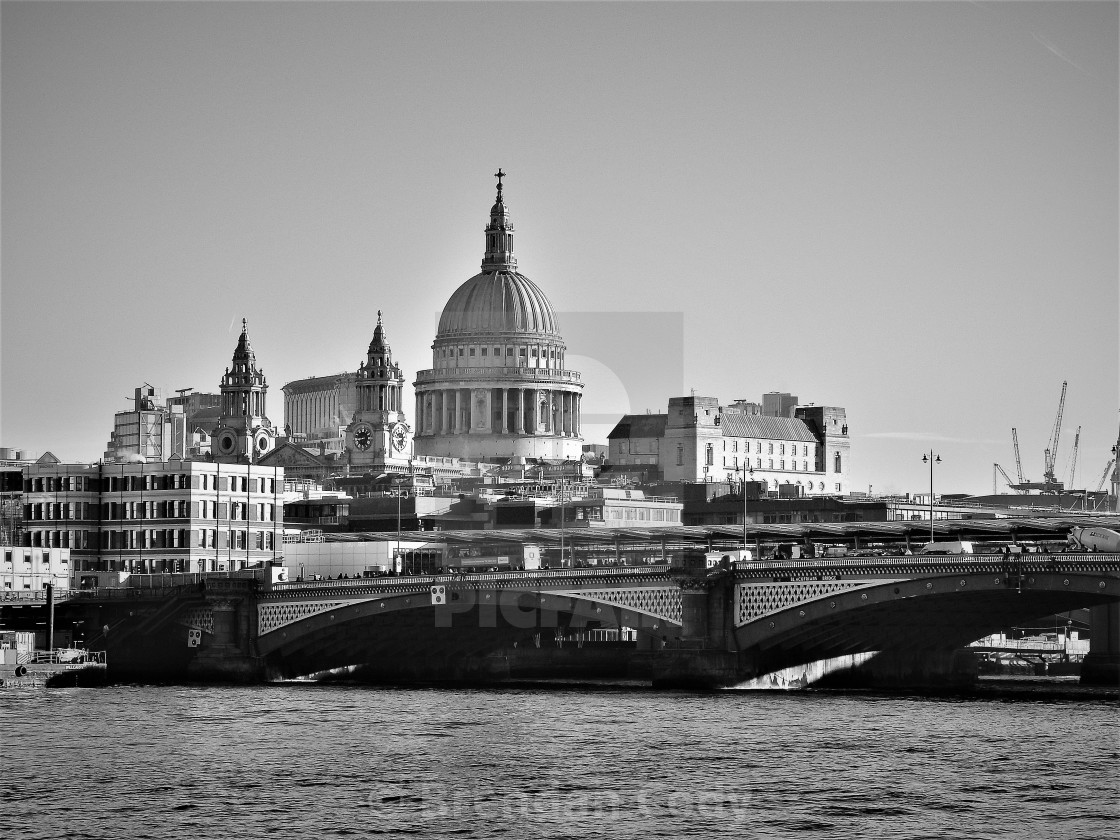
34	595
407	581
994	561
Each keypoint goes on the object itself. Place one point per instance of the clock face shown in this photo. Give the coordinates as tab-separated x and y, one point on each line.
363	437
399	438
227	442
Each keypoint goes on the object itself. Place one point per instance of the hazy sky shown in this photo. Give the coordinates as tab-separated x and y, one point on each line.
907	209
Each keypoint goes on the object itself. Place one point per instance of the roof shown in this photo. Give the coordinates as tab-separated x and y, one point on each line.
1022	528
639	426
765	427
497	302
313	383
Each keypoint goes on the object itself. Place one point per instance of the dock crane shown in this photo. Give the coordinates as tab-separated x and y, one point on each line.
1006	477
1073	457
1104	475
1052	450
1018	460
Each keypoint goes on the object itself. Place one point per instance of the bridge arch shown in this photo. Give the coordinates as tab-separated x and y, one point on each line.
298	637
942	611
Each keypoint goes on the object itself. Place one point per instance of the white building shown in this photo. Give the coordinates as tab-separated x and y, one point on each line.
28	570
700	440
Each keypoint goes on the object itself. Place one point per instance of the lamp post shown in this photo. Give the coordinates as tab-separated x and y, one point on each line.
398	482
746	469
931	459
562	512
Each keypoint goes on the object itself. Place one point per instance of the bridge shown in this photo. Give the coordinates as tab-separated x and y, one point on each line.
898	620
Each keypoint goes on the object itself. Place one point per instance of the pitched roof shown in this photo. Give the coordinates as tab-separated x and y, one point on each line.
639	426
764	427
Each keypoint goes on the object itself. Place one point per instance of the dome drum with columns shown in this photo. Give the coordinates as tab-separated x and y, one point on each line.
498	387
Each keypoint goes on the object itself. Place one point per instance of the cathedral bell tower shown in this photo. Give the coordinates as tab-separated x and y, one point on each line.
243	433
378	435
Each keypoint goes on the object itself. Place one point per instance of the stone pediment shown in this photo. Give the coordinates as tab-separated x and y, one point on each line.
289	455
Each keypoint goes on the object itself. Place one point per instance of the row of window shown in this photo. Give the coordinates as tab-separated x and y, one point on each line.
25	566
645	514
171	509
769	447
149	483
151	538
709	460
543	353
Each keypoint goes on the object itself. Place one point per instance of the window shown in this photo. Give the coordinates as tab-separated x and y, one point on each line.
680	454
484	349
770	464
783	449
709	455
460	351
836	466
770	449
783	464
472	351
509	351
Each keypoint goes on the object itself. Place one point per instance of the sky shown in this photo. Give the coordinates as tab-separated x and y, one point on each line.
907	209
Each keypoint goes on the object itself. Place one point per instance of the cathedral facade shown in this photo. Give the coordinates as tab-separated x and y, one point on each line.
498	387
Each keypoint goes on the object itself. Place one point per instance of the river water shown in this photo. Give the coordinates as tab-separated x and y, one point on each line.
301	760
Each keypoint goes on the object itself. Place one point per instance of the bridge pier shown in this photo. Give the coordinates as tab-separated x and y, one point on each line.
1101	665
226	657
700	658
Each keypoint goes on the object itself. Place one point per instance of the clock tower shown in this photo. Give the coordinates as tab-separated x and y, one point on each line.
243	433
378	435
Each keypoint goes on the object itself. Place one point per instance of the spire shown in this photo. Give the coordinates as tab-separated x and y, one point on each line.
499	235
378	344
243	355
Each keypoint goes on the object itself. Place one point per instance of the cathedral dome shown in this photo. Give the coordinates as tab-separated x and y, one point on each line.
497	302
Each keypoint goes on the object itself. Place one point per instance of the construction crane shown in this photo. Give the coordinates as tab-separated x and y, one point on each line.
1006	477
1052	450
1104	475
1018	460
1073	457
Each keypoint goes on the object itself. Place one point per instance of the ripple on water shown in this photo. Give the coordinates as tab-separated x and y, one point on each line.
335	761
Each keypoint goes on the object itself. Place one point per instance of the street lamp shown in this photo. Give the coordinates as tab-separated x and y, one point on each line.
746	469
931	459
398	482
562	512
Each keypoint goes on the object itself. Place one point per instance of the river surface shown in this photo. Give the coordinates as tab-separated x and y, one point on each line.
302	760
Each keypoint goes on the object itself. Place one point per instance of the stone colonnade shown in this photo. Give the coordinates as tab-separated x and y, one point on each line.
506	411
382	397
310	411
